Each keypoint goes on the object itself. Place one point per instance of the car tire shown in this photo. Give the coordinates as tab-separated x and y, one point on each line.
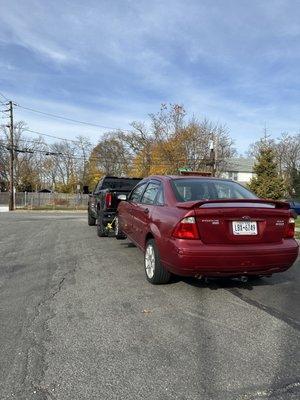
155	272
101	230
118	234
91	220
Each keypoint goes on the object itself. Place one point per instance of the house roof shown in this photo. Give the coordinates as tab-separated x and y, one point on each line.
240	164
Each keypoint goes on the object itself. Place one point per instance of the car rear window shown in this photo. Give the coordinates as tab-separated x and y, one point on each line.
205	189
124	184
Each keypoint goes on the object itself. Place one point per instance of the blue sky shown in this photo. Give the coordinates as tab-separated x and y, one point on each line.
112	62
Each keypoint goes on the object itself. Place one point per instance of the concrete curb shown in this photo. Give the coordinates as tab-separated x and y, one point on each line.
50	211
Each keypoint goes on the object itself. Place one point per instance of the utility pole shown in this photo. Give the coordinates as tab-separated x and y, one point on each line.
216	147
213	155
12	159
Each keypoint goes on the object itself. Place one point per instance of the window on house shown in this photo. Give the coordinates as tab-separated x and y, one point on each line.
233	176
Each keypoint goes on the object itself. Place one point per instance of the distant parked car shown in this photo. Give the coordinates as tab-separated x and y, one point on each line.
206	227
295	205
104	200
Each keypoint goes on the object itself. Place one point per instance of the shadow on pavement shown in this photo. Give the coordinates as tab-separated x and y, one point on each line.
225	283
127	245
282	384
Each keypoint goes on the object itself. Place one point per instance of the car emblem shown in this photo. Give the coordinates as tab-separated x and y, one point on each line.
246	217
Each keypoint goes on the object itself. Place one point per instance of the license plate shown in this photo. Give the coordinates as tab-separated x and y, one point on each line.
244	227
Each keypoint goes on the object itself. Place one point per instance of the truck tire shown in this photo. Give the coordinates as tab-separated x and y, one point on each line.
155	272
91	220
119	235
101	230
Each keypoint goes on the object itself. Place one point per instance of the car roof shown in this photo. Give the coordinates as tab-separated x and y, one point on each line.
172	177
119	177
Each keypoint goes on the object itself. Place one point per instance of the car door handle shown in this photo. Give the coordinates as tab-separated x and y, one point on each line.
146	210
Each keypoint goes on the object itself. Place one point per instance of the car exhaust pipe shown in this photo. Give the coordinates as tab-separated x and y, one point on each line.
244	279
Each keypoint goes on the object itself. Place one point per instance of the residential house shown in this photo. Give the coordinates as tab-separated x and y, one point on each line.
239	169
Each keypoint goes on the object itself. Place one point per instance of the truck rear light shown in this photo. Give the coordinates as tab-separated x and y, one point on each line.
290	229
108	200
186	229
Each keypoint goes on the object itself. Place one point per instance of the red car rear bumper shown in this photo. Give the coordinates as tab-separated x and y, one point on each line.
192	257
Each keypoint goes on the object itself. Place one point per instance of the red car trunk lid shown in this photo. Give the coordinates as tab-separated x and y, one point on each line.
215	220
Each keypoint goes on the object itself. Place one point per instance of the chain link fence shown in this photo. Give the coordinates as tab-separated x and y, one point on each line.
46	201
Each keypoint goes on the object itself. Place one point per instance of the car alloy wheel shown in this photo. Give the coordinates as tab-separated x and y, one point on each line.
119	235
154	270
116	226
150	261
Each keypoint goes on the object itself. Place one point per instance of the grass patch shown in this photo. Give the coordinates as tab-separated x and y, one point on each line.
297	225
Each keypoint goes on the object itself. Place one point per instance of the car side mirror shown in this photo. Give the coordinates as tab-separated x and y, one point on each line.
122	197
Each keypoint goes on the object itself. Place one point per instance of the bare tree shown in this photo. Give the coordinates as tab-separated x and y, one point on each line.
198	136
84	149
168	121
169	142
27	154
139	145
110	156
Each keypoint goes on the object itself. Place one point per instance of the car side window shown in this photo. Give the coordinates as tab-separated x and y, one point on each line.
150	193
160	200
137	193
97	188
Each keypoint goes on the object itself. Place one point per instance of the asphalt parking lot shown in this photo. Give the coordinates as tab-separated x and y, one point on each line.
79	321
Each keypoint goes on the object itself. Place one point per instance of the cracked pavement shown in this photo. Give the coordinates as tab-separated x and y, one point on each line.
79	321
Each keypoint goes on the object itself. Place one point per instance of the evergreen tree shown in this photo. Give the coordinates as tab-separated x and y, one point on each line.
267	183
295	183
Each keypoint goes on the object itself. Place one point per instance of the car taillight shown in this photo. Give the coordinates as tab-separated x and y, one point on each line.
186	229
290	229
108	199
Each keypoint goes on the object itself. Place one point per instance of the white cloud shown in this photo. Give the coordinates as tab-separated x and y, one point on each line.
28	25
230	62
119	119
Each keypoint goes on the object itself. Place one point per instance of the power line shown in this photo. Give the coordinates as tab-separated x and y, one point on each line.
31	151
4	97
87	159
71	119
63	118
51	136
34	141
48	135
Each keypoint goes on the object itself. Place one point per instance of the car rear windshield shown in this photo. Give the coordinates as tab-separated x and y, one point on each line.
208	189
122	184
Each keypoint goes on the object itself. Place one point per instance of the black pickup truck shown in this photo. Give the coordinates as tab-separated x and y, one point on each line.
104	200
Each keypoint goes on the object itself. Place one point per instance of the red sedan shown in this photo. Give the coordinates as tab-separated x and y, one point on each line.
199	226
